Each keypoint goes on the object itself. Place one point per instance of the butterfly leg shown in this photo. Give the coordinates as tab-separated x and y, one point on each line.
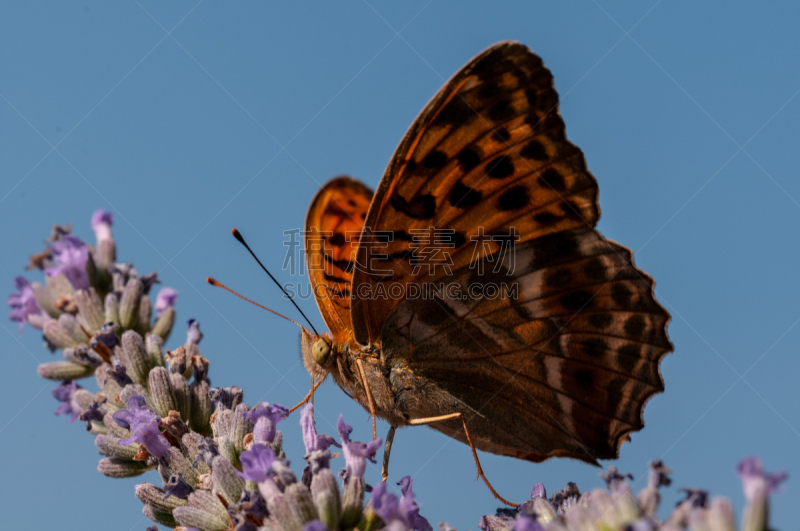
370	400
387	449
459	415
308	396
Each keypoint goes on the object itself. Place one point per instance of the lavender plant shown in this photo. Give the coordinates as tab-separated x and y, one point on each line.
221	461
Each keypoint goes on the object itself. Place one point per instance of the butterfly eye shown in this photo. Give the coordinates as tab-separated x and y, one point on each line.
321	351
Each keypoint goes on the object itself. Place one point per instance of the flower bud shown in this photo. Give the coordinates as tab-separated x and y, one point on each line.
161	391
152	495
58	336
112	308
159	517
720	515
226	481
756	511
63	370
226	450
114	467
107	445
106	254
90	308
178	464
153	346
299	498
137	360
129	303
190	446
164	322
205	512
202	408
281	511
240	426
73	328
182	397
135	389
352	501
328	508
221	424
45	300
145	314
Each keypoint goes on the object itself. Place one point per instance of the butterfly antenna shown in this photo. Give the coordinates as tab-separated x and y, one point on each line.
226	288
238	236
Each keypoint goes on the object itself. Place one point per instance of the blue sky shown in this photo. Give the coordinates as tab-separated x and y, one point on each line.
187	119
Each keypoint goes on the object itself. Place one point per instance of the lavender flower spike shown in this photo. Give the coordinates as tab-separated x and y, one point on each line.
65	393
143	423
165	299
265	419
70	254
410	507
22	303
356	453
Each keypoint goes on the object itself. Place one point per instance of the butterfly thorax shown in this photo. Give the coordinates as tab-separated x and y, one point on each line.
387	381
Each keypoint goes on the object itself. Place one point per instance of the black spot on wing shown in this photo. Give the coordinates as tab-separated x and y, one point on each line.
577	300
421	207
435	160
534	150
595	347
456	112
469	158
463	196
513	199
337	239
600	320
584	378
551	179
635	326
500	168
501	135
501	111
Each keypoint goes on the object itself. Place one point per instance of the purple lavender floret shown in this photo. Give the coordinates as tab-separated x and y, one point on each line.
166	298
101	224
315	525
538	491
120	375
751	472
410	506
404	511
256	463
207	450
265	420
178	487
107	335
143	423
70	255
193	333
23	302
95	412
526	523
311	439
65	393
356	453
226	397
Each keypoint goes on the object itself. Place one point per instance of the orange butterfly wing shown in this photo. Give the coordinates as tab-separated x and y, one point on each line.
333	225
488	151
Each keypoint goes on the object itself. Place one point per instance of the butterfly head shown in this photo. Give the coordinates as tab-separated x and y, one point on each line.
319	353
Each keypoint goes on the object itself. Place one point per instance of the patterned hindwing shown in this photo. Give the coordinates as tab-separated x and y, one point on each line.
487	156
555	356
333	225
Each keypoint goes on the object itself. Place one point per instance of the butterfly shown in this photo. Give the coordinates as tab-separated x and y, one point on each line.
485	190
